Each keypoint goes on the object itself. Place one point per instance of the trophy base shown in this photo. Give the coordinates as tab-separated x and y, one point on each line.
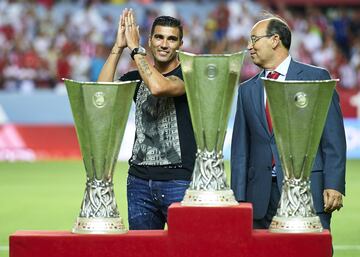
295	225
209	198
99	226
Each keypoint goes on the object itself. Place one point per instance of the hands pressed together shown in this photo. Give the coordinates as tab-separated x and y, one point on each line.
128	34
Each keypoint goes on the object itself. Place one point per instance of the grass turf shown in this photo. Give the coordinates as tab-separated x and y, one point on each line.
48	195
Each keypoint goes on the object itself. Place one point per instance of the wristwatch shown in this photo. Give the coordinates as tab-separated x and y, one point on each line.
138	50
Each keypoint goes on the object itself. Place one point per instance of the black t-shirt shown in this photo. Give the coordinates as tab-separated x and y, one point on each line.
164	147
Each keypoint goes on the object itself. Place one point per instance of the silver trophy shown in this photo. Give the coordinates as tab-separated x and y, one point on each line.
210	82
100	112
298	112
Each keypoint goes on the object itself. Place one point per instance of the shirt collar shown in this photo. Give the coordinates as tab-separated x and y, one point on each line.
282	68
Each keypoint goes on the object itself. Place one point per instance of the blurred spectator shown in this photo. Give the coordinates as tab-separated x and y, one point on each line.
97	62
63	68
43	41
325	55
46	3
312	37
194	36
347	75
240	22
341	24
79	64
109	32
355	24
221	16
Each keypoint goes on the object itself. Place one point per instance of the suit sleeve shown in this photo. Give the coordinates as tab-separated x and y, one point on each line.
239	151
333	146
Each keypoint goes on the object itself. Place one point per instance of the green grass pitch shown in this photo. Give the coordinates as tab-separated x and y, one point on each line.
48	195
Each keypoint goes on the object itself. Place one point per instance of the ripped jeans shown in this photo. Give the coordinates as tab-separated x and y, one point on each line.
148	201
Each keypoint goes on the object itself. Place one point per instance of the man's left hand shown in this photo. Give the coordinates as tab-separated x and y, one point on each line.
332	200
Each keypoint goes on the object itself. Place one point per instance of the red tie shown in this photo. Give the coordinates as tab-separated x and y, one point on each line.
268	117
271	75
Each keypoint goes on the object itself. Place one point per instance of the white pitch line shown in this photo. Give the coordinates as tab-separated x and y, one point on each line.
4	248
347	247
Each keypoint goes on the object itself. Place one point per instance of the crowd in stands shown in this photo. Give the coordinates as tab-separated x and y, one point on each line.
43	41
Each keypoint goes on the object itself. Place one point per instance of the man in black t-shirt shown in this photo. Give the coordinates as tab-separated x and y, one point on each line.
163	154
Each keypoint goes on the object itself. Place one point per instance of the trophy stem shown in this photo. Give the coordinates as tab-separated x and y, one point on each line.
296	212
99	214
208	186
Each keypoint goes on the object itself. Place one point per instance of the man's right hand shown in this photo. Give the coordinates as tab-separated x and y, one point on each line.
108	70
120	38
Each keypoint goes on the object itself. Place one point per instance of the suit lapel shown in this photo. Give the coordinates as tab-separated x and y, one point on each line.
294	71
257	96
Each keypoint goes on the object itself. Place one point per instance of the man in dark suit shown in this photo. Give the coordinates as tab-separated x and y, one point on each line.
256	173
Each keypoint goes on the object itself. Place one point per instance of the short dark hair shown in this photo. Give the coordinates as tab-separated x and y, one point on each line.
280	27
167	21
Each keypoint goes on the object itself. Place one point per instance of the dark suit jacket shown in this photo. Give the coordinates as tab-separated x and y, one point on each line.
253	146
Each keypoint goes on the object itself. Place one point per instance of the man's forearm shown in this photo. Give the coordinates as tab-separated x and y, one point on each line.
108	70
156	82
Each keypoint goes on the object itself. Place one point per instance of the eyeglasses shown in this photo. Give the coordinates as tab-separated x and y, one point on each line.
254	39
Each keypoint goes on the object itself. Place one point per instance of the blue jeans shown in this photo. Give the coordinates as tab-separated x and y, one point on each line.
148	201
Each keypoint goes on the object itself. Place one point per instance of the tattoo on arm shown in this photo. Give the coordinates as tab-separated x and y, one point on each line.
144	67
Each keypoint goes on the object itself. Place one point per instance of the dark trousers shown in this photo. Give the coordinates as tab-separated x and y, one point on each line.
264	223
